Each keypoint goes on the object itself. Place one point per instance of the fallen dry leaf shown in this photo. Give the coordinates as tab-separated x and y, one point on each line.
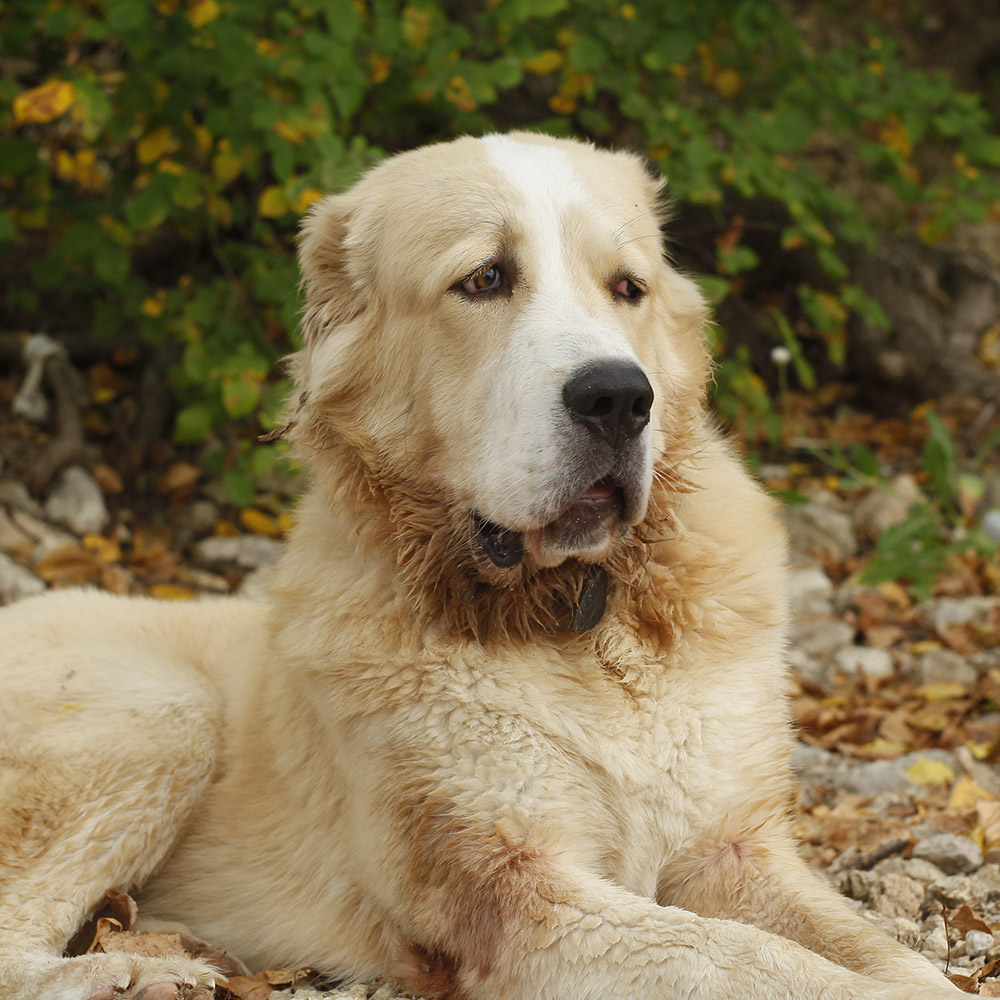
69	564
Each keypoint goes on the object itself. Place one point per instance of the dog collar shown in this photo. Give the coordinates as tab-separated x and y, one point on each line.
593	601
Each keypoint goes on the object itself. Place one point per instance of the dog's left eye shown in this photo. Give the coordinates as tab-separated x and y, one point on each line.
487	280
628	289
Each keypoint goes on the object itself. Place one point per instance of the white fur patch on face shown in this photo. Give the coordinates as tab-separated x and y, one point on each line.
531	454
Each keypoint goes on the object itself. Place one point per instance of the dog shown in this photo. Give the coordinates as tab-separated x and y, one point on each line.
513	724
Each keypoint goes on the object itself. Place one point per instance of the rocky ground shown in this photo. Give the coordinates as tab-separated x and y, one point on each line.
897	700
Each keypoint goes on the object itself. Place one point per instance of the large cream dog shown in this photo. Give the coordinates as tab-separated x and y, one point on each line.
513	725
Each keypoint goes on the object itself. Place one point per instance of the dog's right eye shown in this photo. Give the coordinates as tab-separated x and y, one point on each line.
488	279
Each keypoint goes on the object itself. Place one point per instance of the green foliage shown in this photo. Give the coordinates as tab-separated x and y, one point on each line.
155	156
942	524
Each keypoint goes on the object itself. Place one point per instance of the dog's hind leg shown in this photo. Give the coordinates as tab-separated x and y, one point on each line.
96	786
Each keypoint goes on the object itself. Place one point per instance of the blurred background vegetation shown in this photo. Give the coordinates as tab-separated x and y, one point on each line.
825	157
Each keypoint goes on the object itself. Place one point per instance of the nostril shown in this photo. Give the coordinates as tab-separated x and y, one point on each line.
611	398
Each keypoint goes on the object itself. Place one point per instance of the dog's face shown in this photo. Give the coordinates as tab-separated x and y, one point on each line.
493	319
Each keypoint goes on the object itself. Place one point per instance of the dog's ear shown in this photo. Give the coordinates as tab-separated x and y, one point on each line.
332	295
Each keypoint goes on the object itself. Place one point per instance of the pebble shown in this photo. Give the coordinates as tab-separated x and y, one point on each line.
897	896
815	527
951	852
809	591
947	612
944	665
874	663
978	942
823	638
249	551
884	508
77	501
17	582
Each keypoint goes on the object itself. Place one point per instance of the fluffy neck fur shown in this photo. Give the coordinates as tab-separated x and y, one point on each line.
449	581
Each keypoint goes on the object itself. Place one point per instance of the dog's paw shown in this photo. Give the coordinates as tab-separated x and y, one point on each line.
112	976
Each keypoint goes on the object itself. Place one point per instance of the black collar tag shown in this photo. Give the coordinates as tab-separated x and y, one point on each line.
593	600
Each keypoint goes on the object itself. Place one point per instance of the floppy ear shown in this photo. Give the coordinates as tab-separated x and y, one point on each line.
332	295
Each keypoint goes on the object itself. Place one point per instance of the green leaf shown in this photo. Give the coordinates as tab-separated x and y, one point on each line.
240	395
148	209
238	486
8	231
193	424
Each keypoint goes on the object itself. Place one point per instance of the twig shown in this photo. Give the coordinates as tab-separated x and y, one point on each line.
868	861
67	446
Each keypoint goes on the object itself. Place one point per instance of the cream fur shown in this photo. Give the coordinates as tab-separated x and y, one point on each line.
405	765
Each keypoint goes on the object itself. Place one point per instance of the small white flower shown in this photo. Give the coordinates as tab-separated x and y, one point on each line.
781	355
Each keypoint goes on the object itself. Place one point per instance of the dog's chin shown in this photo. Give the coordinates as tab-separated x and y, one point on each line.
585	529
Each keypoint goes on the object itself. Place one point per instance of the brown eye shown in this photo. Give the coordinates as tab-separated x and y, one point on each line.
628	289
487	280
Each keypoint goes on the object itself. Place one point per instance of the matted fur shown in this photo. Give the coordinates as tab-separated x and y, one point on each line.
406	765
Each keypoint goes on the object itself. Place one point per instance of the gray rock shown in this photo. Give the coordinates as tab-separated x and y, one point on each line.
877	776
990	524
15	493
935	944
823	638
249	551
816	527
978	942
874	663
17	582
11	536
884	508
946	612
944	665
77	502
952	853
896	896
42	536
920	869
809	591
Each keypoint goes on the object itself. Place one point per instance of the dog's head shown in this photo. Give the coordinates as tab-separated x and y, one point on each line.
492	323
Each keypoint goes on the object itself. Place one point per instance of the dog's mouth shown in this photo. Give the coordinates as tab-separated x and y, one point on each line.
583	525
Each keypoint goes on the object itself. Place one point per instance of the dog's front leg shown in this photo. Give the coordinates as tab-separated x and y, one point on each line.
500	921
760	879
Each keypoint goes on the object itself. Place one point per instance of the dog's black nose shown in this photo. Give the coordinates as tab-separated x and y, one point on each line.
612	398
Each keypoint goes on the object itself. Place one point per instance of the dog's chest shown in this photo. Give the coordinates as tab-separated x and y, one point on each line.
630	780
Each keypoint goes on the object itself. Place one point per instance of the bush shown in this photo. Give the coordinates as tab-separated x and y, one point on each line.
154	157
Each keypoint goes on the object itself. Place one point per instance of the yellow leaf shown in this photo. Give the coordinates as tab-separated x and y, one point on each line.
881	747
628	12
171	592
43	104
966	794
107	550
925	771
226	165
289	132
979	750
168	165
941	691
266	47
202	11
547	61
259	523
272	203
306	198
152	305
727	82
151	147
286	521
226	529
381	67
